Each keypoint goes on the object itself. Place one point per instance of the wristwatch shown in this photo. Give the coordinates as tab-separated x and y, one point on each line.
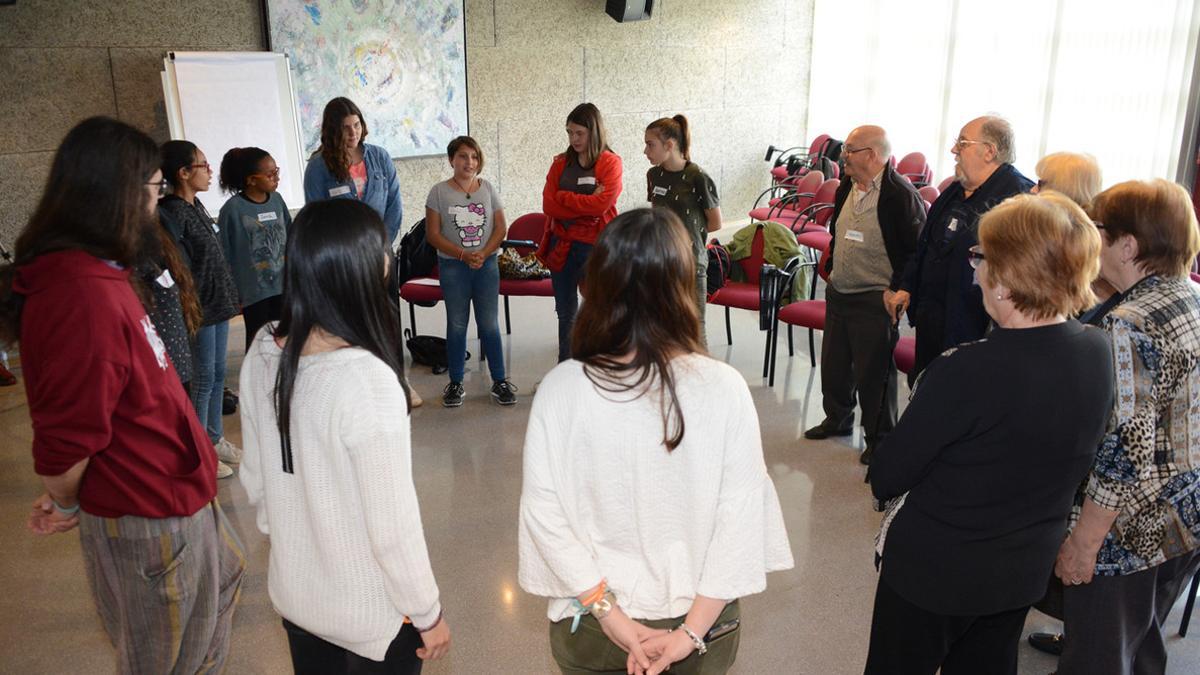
602	607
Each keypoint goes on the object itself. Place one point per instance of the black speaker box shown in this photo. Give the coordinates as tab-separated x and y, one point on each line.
629	10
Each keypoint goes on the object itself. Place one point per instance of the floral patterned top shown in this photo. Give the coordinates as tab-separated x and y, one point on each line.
1148	464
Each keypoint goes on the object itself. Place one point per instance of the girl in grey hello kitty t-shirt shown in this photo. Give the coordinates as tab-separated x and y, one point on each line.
464	221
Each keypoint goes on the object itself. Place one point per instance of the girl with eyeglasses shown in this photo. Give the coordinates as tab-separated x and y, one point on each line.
186	170
253	228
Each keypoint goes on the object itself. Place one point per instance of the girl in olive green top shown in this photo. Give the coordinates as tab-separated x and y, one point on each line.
676	183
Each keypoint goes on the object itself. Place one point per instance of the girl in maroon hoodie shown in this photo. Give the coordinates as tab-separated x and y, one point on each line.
115	440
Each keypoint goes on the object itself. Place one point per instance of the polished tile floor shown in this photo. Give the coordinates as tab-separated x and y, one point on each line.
812	619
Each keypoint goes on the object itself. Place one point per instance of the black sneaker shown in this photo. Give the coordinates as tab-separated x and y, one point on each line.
229	402
504	392
452	395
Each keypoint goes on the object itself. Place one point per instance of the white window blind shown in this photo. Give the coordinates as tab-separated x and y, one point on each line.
1106	77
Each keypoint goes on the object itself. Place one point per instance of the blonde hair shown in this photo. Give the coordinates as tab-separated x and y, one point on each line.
1074	174
1158	214
1045	250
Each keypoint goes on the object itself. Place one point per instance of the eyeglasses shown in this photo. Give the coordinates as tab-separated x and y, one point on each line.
206	166
162	186
960	143
847	150
272	174
975	256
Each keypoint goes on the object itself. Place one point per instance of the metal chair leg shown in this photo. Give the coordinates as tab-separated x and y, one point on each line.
412	318
773	338
1190	605
812	349
791	346
728	330
507	322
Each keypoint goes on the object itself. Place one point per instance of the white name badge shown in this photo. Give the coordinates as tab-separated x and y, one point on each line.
339	191
216	227
266	217
660	191
854	235
953	226
586	180
165	280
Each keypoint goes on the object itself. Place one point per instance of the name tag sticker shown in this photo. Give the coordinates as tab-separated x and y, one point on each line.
266	217
165	280
339	191
216	227
953	226
854	235
586	180
660	191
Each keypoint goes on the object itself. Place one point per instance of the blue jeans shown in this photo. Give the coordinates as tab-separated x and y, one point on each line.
462	287
208	382
566	294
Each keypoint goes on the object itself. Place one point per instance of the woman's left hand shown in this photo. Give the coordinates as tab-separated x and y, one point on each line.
666	649
1076	562
628	635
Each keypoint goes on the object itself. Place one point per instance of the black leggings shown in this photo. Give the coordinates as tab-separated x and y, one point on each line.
313	656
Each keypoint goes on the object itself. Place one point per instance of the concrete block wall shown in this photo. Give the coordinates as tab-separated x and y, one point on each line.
737	68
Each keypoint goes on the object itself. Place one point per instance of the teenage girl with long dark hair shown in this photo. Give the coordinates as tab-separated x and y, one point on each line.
186	169
119	451
646	504
580	198
325	424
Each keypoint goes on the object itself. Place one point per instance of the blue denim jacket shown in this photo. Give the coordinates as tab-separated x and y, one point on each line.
383	187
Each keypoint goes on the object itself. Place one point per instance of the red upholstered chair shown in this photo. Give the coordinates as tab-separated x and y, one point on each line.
905	354
785	202
816	239
929	193
808	313
945	183
425	291
914	167
743	294
820	210
530	227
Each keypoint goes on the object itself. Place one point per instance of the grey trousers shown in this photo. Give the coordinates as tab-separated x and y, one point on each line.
165	588
856	361
1114	625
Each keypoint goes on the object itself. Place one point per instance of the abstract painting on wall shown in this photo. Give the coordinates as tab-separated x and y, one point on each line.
402	61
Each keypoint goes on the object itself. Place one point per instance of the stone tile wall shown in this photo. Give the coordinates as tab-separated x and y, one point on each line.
737	68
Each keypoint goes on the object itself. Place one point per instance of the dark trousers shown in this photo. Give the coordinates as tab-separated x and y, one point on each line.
313	656
930	322
909	640
856	357
1115	624
260	314
566	294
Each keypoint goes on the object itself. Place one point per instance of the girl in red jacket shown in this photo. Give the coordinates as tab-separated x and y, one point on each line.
580	198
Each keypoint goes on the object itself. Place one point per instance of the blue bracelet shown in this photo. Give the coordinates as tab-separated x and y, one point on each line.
64	510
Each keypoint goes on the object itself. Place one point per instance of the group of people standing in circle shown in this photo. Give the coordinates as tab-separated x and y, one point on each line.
126	456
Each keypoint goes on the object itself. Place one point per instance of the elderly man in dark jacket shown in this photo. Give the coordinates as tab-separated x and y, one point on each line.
946	306
876	219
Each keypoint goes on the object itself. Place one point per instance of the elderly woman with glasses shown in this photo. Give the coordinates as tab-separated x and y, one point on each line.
1135	531
980	472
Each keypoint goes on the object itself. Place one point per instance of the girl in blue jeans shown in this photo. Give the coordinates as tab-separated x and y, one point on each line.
464	221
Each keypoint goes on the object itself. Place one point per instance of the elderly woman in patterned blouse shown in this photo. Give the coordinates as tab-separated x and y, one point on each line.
1135	537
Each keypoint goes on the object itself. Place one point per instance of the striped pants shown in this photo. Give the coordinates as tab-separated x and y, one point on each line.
165	588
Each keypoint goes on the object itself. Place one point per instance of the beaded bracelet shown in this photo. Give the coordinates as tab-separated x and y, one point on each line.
701	648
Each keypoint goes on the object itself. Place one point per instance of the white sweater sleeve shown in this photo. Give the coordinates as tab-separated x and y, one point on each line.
749	539
377	435
250	473
553	562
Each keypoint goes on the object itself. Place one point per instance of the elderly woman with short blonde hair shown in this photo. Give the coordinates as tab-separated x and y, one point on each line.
980	472
1074	174
1135	537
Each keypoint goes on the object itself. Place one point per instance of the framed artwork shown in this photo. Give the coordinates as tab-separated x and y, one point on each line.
403	62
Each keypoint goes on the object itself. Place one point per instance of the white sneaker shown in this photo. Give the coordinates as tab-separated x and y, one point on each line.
223	470
228	452
417	401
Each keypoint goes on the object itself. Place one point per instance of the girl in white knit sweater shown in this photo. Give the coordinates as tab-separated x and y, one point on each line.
328	462
646	509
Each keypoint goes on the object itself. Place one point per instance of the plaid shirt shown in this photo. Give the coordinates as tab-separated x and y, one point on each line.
1148	464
